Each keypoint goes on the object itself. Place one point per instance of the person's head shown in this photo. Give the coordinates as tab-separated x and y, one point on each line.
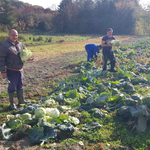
13	35
99	47
109	32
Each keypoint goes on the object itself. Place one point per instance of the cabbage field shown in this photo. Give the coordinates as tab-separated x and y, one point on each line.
94	110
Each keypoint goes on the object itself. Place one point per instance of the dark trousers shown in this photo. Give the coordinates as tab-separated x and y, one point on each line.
108	55
15	79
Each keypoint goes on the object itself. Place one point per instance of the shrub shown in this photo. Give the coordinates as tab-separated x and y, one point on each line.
21	38
40	38
50	39
34	39
44	26
4	28
61	41
3	38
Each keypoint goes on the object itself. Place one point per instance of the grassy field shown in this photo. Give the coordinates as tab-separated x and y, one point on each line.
38	39
74	45
58	44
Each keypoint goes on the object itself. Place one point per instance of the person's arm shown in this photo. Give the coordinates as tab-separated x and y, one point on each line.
4	74
31	58
95	54
3	55
106	45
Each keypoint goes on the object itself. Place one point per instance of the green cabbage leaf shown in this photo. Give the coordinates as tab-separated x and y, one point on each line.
25	55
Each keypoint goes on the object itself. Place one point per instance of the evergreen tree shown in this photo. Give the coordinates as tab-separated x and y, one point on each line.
7	15
66	19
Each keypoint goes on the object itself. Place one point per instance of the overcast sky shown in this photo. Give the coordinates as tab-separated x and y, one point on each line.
49	3
43	3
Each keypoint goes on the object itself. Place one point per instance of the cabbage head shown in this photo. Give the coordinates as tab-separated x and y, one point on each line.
14	117
25	55
40	112
46	120
10	117
14	124
115	42
52	112
50	102
74	120
26	116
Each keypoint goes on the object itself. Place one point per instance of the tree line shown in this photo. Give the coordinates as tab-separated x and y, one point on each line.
78	16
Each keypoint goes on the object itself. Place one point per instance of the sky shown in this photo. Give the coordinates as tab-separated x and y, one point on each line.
43	3
49	3
144	3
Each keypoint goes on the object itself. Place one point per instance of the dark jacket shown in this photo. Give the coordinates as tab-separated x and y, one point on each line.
9	55
107	40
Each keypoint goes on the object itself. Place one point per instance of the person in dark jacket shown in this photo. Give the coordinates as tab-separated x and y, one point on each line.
107	50
92	50
11	66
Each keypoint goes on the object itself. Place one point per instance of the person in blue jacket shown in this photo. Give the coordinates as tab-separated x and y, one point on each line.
92	50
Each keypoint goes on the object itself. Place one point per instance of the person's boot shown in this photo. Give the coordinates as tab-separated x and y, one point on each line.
20	97
112	70
11	100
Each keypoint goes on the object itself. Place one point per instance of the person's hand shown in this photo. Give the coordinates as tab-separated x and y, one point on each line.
31	58
4	75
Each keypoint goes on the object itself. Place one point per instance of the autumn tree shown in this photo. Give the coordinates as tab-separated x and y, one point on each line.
124	20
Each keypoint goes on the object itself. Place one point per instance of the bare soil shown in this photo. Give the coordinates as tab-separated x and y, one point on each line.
39	78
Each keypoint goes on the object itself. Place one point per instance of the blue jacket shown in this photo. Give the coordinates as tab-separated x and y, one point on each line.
91	49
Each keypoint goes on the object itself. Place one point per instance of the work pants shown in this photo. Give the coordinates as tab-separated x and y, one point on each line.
15	79
108	55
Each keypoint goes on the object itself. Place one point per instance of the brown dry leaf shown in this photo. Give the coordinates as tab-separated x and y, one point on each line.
101	147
